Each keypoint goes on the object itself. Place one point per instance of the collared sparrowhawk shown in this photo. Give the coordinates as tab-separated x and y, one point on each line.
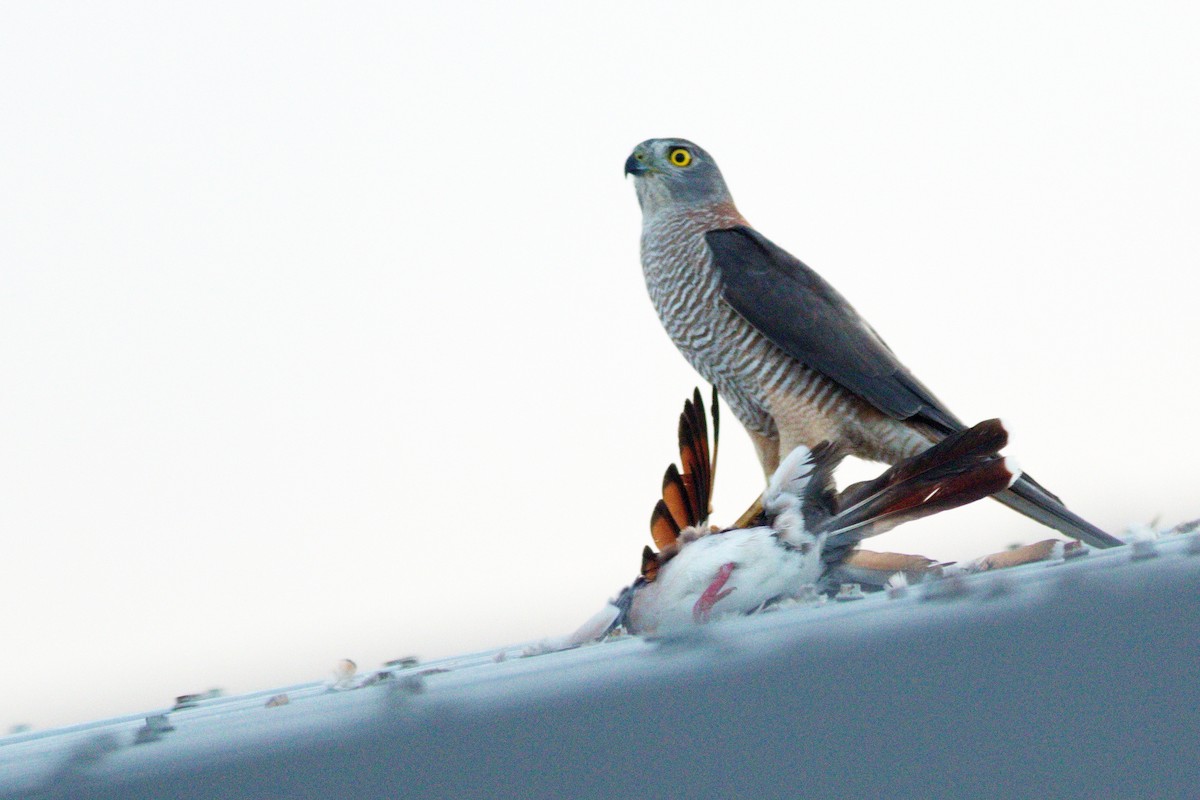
808	534
794	361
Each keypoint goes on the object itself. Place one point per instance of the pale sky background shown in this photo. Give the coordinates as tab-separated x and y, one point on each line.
323	331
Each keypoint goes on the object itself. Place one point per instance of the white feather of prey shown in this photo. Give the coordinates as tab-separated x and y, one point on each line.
788	483
783	501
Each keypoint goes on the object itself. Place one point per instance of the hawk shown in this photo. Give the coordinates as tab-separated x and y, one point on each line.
794	360
807	534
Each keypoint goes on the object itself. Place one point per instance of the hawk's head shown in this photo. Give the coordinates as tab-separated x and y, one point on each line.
669	172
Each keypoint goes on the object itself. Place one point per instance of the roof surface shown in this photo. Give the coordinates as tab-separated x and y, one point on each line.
1052	680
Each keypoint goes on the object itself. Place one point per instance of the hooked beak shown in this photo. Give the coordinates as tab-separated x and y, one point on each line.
635	167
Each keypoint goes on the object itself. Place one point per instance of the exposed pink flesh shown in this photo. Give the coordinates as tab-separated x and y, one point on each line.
703	608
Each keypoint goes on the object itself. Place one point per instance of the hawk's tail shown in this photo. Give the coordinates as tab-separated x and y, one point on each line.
1029	498
962	468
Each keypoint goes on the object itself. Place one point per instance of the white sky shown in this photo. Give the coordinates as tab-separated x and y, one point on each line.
323	331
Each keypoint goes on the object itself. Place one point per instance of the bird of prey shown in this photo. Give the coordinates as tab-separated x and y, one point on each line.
806	531
790	356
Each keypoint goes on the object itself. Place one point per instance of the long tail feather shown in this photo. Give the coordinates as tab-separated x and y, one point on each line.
676	495
664	530
1029	498
716	442
986	438
687	495
959	470
693	456
918	497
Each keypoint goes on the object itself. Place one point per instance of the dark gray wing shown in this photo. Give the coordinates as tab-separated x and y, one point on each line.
806	318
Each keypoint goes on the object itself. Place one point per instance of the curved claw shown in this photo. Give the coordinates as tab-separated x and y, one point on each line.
702	610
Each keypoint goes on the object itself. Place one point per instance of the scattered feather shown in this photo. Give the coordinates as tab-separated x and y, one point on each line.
897	586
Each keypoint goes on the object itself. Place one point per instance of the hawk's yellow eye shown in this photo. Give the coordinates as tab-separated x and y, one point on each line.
680	157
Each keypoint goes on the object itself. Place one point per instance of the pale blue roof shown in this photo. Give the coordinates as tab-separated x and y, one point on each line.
1074	679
